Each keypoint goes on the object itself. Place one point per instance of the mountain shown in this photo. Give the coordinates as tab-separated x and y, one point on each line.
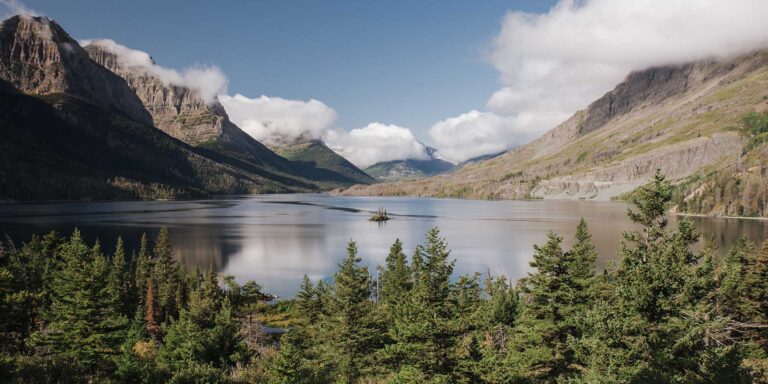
71	129
329	165
182	113
38	57
481	158
683	119
410	168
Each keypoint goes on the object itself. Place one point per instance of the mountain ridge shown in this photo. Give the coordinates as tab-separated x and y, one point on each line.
74	130
678	118
184	114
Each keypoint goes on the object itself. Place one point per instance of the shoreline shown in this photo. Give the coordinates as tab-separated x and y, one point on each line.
720	216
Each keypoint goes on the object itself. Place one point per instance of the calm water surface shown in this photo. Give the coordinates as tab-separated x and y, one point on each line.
276	239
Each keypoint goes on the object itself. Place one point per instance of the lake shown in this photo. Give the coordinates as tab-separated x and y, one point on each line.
276	239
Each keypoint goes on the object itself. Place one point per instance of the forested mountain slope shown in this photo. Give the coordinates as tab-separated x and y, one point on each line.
683	119
324	162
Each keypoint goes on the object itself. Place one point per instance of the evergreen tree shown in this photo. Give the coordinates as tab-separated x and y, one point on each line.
143	270
354	332
286	368
396	276
637	338
120	279
84	324
556	299
422	329
151	312
307	301
224	345
165	276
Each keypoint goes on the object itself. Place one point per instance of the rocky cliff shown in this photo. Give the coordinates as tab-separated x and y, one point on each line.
37	56
182	113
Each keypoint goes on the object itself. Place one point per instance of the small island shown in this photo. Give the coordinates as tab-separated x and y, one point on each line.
380	215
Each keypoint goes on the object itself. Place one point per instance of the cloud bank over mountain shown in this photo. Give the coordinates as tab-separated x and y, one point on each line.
553	64
475	133
376	142
208	80
276	121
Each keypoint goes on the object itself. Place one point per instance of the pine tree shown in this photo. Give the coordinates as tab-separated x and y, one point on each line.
636	339
224	345
307	301
556	300
396	276
165	276
184	343
150	311
143	271
756	284
422	329
286	367
120	279
84	324
354	332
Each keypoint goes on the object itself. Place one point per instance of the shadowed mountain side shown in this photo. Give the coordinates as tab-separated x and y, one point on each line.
61	147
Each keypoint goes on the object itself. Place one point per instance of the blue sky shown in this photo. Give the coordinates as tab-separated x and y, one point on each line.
410	63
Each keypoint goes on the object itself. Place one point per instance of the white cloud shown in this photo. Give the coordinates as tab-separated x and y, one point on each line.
208	80
477	133
375	143
15	7
557	63
276	121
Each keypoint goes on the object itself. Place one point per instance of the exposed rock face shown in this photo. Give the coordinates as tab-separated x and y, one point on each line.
657	84
674	162
179	111
37	56
182	113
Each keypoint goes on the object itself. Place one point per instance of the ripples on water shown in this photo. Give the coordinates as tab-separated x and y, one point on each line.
276	239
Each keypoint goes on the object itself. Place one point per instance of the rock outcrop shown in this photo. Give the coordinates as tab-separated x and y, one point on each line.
182	113
37	56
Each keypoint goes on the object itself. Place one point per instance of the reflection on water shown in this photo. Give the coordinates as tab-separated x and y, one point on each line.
276	239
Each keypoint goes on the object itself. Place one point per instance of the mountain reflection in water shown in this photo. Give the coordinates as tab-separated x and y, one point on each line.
276	239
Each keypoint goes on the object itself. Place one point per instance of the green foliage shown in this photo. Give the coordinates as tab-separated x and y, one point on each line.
665	314
755	127
84	323
395	279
